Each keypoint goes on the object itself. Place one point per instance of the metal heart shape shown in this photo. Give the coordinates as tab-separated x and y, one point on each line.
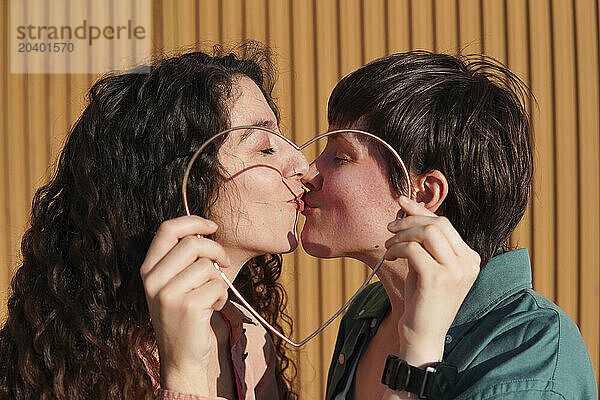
299	148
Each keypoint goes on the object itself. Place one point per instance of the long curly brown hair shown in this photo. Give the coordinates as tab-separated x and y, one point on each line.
78	325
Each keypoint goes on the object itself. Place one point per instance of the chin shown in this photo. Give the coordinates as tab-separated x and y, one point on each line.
315	247
287	245
292	245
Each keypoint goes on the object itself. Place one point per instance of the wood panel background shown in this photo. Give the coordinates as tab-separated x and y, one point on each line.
551	44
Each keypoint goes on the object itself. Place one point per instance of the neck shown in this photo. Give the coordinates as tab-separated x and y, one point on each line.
238	259
392	275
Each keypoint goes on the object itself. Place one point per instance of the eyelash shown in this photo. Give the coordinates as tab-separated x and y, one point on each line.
268	151
341	160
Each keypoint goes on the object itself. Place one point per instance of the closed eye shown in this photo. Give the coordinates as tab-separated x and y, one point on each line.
268	151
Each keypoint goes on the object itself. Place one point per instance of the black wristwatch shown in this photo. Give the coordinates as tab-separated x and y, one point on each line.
399	375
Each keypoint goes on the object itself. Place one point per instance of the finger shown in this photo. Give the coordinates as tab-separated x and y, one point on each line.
411	207
456	241
431	238
409	222
213	294
187	251
418	258
170	232
192	277
197	304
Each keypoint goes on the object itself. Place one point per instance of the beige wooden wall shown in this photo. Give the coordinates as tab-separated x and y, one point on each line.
552	45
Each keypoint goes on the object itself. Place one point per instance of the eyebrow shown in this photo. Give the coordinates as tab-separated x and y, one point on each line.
269	124
344	136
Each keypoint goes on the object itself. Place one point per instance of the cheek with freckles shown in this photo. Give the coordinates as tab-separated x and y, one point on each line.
353	219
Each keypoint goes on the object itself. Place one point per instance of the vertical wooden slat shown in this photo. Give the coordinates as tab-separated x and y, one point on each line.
422	25
79	83
374	29
121	47
168	20
517	61
58	128
304	123
588	98
18	160
398	23
103	55
233	21
330	271
37	106
188	24
5	242
58	101
157	28
469	30
494	30
542	116
142	15
446	29
208	23
255	23
567	230
279	40
350	35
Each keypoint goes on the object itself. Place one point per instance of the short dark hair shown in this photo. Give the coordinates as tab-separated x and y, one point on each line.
462	115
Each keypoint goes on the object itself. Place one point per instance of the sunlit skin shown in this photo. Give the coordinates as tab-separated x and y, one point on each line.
265	176
255	214
428	268
352	201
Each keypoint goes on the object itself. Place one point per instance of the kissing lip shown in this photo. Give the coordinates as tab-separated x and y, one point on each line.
299	203
307	200
309	206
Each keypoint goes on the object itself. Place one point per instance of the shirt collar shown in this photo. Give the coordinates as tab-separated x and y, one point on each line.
233	313
375	304
505	274
235	318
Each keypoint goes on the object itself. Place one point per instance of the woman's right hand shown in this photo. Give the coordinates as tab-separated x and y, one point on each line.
183	289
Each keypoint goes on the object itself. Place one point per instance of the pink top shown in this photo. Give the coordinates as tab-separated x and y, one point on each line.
252	355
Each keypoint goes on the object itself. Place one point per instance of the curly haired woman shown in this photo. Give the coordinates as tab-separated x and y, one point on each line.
116	293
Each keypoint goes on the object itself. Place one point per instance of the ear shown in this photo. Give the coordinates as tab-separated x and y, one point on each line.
431	189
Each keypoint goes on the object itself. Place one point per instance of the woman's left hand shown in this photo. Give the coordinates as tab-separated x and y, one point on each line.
442	269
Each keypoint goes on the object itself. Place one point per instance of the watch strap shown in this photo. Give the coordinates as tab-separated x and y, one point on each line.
401	376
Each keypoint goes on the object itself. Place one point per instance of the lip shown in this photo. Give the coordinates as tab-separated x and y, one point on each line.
308	204
299	203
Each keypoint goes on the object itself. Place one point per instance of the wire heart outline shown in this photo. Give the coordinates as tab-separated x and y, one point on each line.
299	148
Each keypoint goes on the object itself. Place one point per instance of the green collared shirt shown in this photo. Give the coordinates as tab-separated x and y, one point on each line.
507	341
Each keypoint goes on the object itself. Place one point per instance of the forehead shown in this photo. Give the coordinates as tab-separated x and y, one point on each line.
243	134
246	97
248	106
351	139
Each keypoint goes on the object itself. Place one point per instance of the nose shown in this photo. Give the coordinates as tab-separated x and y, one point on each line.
297	165
312	179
